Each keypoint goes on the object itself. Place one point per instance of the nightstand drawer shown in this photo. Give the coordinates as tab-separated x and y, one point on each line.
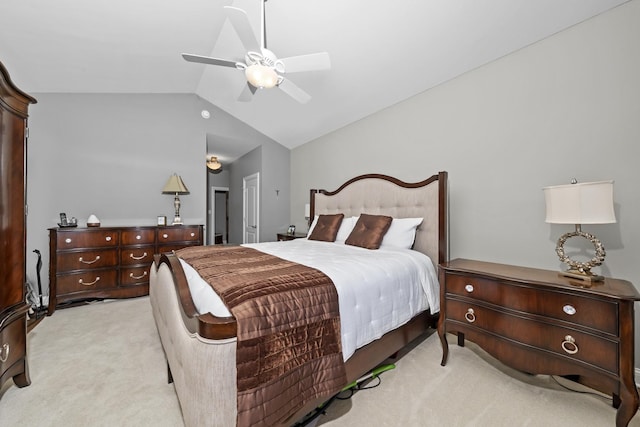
582	310
86	239
87	281
12	343
144	236
567	342
85	260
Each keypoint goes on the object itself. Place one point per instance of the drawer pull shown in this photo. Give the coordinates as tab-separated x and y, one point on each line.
89	262
4	354
67	240
108	238
470	315
131	255
469	288
569	309
138	237
193	234
89	284
137	277
569	345
165	235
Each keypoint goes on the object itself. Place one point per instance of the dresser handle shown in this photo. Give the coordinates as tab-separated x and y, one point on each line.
89	262
67	240
569	345
89	284
137	277
4	356
470	316
138	237
469	288
193	234
137	257
569	309
165	235
108	238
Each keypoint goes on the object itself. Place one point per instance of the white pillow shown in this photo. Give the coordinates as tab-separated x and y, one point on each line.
346	227
313	224
401	233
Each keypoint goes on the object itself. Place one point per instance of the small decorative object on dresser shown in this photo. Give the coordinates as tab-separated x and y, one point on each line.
109	262
541	323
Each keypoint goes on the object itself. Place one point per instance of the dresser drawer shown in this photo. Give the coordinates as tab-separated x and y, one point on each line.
579	309
13	345
87	281
86	239
144	236
596	351
134	275
68	261
137	255
178	234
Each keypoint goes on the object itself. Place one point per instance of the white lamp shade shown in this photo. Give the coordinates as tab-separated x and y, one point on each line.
261	76
581	203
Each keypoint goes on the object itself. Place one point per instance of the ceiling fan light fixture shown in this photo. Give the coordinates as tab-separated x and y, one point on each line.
213	163
261	76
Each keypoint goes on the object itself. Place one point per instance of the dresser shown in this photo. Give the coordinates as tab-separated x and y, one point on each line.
14	106
109	262
541	323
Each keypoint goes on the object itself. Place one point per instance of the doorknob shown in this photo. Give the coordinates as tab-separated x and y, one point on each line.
253	226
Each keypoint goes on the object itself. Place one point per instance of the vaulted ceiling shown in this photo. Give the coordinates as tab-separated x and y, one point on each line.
381	52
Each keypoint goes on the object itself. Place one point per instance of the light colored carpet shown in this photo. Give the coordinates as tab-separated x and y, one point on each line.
102	365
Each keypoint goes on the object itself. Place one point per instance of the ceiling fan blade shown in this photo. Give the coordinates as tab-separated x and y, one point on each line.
294	91
240	22
247	93
208	60
310	62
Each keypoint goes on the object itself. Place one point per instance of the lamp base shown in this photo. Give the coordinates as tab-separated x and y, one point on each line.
584	276
177	221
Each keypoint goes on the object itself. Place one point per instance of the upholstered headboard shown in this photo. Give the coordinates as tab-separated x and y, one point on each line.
384	195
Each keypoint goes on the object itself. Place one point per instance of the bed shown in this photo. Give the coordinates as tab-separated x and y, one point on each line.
201	348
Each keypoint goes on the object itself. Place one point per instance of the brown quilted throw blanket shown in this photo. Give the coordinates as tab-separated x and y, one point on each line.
289	348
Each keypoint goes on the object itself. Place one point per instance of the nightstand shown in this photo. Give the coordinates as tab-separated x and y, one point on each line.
541	323
286	236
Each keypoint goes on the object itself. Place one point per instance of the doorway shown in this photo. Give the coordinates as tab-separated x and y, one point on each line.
219	216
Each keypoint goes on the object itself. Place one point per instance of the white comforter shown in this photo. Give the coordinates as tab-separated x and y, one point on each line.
378	290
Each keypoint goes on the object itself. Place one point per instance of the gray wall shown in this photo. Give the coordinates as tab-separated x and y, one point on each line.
271	160
110	155
565	107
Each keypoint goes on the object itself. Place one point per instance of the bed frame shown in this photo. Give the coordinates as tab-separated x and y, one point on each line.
200	349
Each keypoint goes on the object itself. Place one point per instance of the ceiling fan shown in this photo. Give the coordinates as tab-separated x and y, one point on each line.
262	68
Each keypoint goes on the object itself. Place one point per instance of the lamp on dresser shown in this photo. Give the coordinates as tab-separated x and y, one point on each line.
176	186
580	203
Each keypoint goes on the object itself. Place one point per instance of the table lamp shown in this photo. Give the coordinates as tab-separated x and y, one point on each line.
580	203
175	186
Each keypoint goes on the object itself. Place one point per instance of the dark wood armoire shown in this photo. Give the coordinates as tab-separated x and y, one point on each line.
14	106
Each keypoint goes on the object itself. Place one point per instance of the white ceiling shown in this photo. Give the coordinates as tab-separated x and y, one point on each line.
381	52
